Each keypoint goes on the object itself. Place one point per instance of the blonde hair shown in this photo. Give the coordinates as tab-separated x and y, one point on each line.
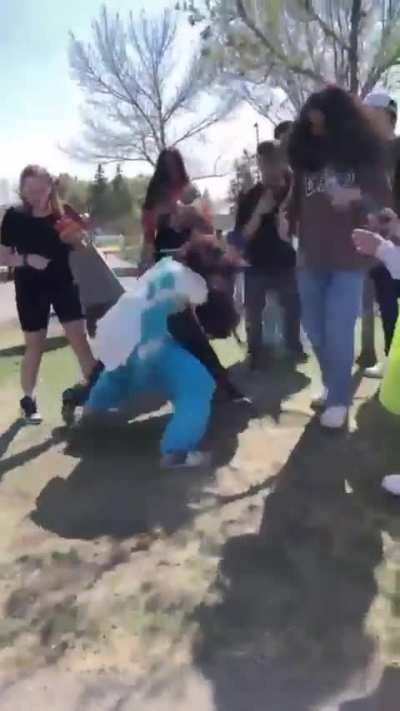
37	171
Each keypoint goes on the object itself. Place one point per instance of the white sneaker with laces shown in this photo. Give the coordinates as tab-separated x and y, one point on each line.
377	371
334	418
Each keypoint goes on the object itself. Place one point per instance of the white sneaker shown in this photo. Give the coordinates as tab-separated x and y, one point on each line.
334	418
319	402
198	459
391	484
377	371
185	460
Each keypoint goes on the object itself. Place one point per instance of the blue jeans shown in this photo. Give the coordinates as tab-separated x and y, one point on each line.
176	374
331	303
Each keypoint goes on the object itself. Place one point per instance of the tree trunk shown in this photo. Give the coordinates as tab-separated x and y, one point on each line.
367	356
355	21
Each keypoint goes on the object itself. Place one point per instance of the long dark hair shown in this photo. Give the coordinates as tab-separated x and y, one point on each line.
350	140
160	184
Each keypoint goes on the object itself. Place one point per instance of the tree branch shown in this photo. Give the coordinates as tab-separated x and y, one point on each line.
355	21
328	31
128	77
380	65
292	66
214	173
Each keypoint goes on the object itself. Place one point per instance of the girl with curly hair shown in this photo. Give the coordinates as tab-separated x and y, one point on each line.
339	179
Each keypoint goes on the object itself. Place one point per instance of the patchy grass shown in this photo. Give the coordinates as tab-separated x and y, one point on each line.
110	566
59	370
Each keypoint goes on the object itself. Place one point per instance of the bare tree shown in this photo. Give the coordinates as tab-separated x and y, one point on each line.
278	51
138	99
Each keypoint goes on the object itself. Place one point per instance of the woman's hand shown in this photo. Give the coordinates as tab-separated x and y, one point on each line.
367	242
35	261
342	198
70	231
189	194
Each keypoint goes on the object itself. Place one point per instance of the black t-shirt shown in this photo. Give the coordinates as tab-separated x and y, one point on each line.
265	249
26	234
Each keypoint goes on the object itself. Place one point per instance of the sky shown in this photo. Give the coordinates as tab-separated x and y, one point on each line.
40	103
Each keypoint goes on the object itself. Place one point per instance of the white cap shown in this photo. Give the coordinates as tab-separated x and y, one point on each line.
381	100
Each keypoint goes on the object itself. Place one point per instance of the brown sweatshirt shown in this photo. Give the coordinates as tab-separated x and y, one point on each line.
324	231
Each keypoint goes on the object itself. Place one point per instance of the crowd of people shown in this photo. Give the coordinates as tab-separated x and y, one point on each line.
321	219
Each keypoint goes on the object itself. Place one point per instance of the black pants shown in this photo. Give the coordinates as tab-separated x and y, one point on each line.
283	282
186	331
387	291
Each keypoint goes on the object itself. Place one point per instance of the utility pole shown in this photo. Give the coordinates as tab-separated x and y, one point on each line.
257	129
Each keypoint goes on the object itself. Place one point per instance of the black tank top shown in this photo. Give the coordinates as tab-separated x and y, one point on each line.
167	238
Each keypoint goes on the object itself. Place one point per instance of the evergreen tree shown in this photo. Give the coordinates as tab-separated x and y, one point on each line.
121	199
99	203
73	192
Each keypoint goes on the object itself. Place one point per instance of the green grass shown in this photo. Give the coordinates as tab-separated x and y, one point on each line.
275	605
9	368
59	370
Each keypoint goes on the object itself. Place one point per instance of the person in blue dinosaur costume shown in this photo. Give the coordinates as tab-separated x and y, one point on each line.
139	354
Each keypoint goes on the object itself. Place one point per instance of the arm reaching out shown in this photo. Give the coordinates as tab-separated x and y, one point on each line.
71	232
389	254
373	245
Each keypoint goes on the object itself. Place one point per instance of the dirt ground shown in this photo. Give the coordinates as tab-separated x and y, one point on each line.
269	582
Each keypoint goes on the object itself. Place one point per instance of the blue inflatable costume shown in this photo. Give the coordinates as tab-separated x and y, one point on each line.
139	354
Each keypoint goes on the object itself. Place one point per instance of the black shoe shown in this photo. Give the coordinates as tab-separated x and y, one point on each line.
79	393
29	410
76	396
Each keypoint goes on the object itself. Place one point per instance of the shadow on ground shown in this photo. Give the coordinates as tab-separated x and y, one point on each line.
385	698
270	388
287	630
52	344
9	435
18	460
117	487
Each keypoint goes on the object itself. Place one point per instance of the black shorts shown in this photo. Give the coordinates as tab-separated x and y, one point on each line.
34	304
